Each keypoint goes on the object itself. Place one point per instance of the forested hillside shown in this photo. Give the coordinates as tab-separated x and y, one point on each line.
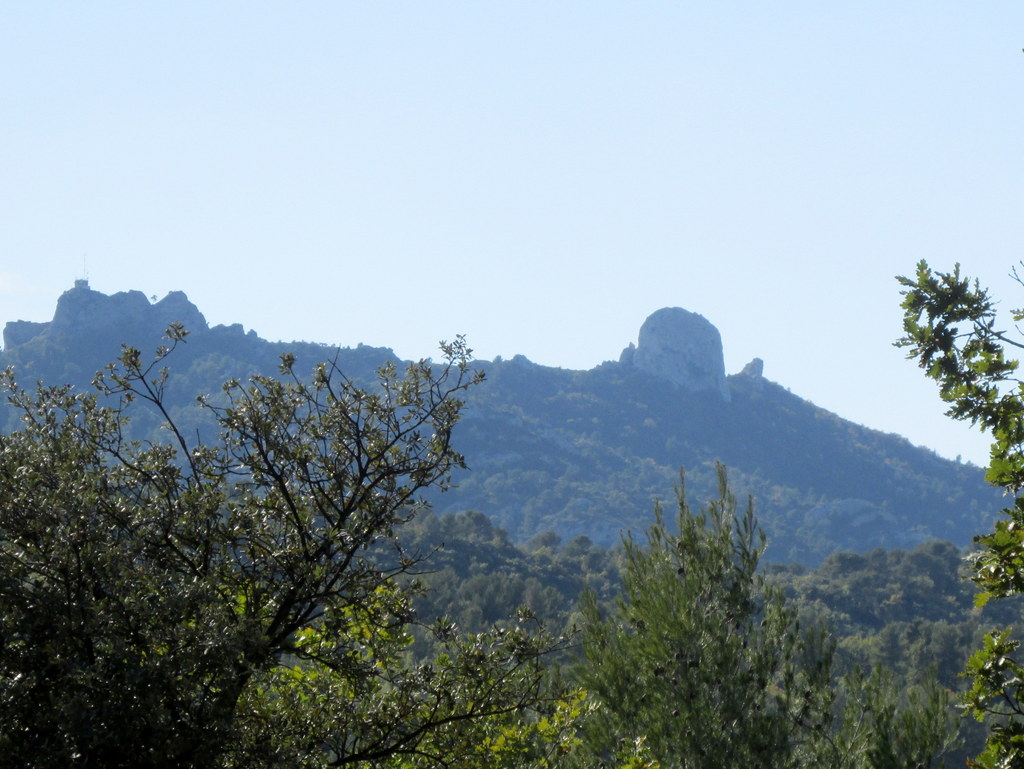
580	452
909	611
252	577
588	452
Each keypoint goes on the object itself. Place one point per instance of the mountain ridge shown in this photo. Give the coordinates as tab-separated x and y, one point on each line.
582	452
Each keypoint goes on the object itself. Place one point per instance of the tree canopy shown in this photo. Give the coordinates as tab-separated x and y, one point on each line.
234	602
704	663
249	599
953	331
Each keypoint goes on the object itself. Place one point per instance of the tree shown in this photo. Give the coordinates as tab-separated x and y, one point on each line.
952	330
236	602
703	662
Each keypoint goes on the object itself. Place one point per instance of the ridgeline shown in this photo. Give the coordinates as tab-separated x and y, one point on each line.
579	452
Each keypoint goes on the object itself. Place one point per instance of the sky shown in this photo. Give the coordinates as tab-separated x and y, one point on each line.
539	176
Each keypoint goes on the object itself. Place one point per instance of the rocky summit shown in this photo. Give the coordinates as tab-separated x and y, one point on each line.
681	347
83	312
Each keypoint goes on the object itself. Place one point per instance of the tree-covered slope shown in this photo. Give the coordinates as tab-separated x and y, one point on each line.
588	451
580	452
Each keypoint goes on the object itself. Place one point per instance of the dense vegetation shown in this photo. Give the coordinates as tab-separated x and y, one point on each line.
910	612
576	452
251	581
588	452
236	604
952	331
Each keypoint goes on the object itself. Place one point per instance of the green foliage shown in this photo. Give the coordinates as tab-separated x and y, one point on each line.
699	655
574	451
884	725
478	577
237	603
997	685
909	610
951	329
587	451
704	662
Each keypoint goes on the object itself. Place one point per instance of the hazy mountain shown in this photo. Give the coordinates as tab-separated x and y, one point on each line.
584	452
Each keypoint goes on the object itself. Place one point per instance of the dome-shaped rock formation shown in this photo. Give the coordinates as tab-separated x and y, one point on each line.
682	347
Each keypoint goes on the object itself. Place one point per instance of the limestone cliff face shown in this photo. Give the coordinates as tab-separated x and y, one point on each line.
17	332
682	347
84	312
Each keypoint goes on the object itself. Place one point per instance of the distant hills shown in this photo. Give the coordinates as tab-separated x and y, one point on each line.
582	453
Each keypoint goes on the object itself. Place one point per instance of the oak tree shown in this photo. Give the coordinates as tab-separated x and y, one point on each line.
236	601
951	328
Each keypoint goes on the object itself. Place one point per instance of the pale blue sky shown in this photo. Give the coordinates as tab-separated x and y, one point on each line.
540	176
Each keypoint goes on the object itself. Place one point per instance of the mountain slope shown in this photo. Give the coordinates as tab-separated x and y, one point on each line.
581	452
588	451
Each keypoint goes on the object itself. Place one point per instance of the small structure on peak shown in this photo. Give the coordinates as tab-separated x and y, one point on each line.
681	347
127	315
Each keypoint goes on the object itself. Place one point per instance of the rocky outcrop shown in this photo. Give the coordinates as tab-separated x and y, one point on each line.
83	312
754	369
176	308
18	332
682	347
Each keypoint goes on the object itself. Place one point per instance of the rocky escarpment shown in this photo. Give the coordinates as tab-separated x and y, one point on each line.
84	312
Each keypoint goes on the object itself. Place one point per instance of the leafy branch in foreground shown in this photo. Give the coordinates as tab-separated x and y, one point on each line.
950	328
235	603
